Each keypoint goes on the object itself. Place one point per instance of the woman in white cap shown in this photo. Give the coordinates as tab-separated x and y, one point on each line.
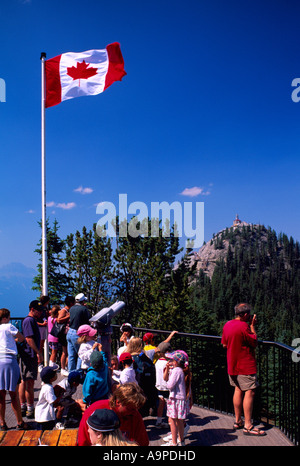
127	333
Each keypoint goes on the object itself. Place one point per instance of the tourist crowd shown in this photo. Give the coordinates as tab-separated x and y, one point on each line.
118	391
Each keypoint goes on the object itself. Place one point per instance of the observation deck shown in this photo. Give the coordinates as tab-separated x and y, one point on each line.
276	407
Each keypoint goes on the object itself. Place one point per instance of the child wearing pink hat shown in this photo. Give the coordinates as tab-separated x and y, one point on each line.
86	340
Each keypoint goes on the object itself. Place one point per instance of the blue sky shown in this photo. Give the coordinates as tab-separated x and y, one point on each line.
206	103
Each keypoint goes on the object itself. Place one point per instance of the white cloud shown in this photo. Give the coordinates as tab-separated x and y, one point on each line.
30	211
195	191
83	190
62	205
66	205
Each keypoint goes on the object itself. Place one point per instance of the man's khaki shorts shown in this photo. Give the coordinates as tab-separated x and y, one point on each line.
244	382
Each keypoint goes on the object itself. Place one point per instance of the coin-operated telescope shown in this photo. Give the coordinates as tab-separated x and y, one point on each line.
103	318
102	322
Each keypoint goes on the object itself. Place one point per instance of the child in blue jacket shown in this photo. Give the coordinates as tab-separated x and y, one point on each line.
95	386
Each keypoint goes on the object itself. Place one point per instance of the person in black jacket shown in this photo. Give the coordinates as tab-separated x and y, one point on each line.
79	315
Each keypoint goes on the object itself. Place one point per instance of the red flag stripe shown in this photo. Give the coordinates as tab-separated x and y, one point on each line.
115	70
53	85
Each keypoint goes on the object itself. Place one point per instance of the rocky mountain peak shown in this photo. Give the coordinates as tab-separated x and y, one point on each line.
239	234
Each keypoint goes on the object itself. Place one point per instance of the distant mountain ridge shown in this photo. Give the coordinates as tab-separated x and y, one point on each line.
15	288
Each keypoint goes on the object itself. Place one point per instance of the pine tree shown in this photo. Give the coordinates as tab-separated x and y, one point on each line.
89	266
142	272
58	283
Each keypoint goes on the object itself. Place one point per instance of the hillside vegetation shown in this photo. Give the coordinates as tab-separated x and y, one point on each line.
249	263
243	263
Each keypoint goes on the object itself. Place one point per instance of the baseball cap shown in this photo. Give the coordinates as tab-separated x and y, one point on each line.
163	347
80	297
148	336
48	372
177	356
35	304
75	376
126	326
104	420
96	359
86	330
125	356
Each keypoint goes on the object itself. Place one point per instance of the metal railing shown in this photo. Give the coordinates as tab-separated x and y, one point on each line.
277	399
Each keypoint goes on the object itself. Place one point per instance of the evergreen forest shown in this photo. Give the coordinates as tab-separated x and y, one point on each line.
160	291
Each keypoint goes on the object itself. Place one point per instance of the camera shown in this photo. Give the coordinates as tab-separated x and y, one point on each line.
251	318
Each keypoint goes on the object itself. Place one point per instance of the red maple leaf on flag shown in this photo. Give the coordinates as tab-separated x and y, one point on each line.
81	71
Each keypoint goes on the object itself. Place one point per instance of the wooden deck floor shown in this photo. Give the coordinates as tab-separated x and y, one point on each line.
207	428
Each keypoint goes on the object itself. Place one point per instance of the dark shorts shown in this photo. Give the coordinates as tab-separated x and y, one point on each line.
62	339
28	367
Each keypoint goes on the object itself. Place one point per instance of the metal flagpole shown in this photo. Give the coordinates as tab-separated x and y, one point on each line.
43	186
44	233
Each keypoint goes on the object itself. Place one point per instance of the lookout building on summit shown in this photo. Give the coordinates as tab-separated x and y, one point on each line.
237	221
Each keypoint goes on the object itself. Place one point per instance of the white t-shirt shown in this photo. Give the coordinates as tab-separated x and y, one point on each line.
64	383
44	410
85	352
116	375
127	375
7	339
161	384
124	347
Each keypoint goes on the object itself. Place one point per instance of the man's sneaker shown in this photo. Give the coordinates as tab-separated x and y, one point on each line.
40	367
59	426
30	414
64	372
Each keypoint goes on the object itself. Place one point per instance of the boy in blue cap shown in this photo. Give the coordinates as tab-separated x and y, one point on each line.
45	407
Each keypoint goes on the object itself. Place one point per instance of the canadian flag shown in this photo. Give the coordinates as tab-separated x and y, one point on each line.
72	74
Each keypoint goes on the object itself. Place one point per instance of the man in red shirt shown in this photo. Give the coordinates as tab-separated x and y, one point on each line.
126	400
239	337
